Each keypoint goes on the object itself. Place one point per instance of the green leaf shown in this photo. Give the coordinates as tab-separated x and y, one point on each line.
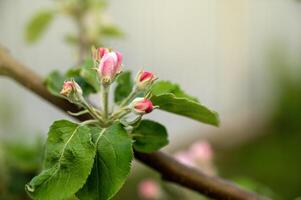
124	86
150	136
54	82
170	97
90	74
162	87
186	107
84	76
38	25
69	160
111	166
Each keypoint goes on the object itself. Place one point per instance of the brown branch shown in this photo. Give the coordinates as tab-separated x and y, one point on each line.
170	169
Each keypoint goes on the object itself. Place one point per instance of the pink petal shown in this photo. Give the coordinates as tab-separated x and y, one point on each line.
145	76
102	52
106	66
119	57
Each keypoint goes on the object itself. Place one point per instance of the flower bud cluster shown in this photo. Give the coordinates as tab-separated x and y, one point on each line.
108	64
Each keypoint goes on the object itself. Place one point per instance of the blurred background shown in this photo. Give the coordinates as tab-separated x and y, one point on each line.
239	57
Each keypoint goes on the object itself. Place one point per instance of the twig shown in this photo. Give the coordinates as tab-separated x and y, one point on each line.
170	169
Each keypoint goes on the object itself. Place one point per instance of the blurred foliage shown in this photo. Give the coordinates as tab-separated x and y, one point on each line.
19	162
274	158
38	25
251	185
93	25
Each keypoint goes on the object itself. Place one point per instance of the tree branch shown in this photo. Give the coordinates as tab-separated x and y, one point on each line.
170	169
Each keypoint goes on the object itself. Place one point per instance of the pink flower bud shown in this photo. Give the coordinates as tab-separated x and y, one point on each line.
142	105
72	90
149	189
98	53
67	88
110	66
102	51
145	79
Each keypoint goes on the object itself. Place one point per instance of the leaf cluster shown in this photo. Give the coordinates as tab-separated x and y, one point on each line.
92	161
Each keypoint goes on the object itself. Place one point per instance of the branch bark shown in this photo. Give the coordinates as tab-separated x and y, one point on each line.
170	169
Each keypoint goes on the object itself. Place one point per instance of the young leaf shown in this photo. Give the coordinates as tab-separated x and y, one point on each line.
111	165
83	76
38	25
149	136
75	73
69	159
124	86
186	107
90	74
162	87
54	82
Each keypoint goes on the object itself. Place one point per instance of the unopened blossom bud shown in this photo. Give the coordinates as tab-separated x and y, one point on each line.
110	66
98	53
144	79
67	88
72	91
142	105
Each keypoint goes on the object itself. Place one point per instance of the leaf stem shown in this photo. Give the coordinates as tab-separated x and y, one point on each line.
92	121
93	112
78	113
129	97
117	115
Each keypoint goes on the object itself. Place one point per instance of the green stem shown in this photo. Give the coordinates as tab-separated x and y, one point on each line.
105	100
129	97
78	113
92	121
92	112
120	114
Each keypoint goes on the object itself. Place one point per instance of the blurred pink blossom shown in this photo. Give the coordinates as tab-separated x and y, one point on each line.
185	158
199	155
201	150
149	189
